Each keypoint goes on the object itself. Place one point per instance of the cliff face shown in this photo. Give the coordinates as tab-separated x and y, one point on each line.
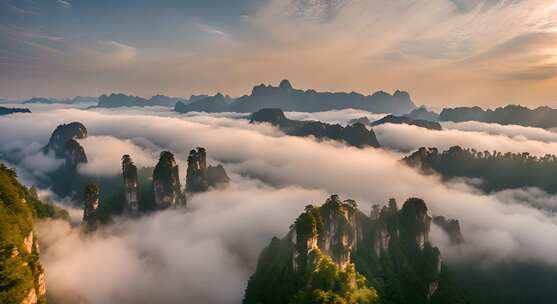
91	203
131	185
62	135
166	182
63	145
22	277
371	247
451	227
199	176
355	135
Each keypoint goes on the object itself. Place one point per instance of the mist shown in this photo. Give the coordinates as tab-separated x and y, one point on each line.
207	252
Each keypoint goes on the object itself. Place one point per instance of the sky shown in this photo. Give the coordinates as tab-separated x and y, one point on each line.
444	52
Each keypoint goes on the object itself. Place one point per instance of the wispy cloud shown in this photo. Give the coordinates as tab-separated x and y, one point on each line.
64	3
210	29
20	10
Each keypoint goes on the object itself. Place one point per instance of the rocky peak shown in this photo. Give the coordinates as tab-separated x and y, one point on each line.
199	176
91	202
415	221
333	228
166	182
285	85
273	116
374	246
62	134
131	184
451	227
401	94
74	153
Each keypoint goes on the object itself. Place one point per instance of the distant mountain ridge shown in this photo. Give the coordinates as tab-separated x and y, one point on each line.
541	117
77	99
6	111
287	98
356	135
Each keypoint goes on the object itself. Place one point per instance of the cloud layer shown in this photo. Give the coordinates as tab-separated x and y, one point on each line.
208	251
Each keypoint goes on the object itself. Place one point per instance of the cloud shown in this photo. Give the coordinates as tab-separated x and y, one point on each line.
482	50
208	251
512	131
64	4
202	256
104	155
210	29
482	137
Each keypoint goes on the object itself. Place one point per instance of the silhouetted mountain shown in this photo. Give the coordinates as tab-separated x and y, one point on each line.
422	113
431	125
355	135
336	254
6	111
77	99
209	104
115	100
286	98
542	117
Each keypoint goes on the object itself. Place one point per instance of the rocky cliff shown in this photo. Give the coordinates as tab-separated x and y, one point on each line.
22	278
63	145
355	135
166	182
386	256
62	135
131	185
451	227
91	203
199	176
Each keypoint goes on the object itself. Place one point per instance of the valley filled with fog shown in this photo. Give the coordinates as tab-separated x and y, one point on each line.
207	251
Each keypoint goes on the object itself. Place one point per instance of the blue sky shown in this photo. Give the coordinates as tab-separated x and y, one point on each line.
485	52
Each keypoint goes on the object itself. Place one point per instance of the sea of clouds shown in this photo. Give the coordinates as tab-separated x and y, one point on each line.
206	252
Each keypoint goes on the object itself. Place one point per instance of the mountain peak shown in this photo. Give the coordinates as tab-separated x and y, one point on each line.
285	85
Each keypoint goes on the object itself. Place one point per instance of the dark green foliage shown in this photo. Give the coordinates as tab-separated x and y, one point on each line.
403	273
113	204
355	135
508	283
498	171
19	269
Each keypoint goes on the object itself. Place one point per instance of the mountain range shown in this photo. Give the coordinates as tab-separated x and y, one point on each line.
287	98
